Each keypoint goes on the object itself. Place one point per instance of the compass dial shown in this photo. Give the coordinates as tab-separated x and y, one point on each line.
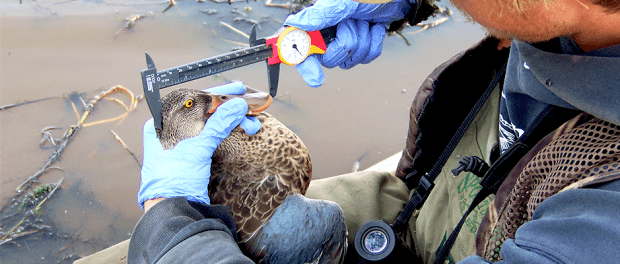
293	46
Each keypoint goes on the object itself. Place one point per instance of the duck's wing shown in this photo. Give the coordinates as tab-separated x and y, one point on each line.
301	230
253	174
252	202
282	153
273	150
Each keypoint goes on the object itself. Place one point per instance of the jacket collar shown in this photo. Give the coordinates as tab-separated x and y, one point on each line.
589	81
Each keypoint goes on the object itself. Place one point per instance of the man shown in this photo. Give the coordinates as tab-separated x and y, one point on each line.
577	46
559	202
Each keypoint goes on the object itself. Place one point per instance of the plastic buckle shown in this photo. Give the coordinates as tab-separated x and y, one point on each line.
421	193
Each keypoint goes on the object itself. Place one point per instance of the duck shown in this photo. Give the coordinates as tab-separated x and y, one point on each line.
262	178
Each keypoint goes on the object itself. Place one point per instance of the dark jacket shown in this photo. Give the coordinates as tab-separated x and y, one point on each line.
177	231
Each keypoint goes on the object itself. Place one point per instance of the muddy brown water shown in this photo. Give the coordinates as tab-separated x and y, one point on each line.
53	48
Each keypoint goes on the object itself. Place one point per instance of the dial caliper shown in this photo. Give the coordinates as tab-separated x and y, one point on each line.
289	45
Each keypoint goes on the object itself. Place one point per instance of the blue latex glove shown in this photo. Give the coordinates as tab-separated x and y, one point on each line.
250	124
356	41
184	170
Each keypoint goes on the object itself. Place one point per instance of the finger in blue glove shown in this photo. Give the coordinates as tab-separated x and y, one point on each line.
251	125
355	42
326	13
377	34
227	116
310	69
382	13
323	14
229	88
363	38
346	42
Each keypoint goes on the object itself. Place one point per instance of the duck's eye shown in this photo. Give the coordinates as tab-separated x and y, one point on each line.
189	103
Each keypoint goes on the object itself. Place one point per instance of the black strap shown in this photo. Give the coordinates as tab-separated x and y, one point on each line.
426	182
445	250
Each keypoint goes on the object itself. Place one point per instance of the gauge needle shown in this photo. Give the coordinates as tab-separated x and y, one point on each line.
295	47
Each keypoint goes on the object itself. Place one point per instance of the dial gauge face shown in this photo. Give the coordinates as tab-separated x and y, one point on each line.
293	46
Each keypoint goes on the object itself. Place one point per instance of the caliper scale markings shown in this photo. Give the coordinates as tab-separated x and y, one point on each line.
210	66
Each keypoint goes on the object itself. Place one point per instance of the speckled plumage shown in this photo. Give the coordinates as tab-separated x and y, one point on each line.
262	178
254	174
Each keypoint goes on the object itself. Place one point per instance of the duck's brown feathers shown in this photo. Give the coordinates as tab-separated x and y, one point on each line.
262	178
254	174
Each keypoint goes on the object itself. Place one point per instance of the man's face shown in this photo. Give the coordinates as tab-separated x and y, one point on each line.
526	20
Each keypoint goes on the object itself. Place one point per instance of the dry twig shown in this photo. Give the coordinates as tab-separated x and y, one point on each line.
235	30
129	22
24	103
126	147
72	130
172	3
427	25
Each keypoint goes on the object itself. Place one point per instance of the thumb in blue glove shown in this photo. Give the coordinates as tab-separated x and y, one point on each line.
250	124
356	42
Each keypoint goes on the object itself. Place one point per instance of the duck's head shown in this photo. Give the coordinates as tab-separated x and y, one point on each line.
185	112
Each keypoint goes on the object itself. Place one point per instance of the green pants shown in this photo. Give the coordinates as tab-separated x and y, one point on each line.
363	196
366	196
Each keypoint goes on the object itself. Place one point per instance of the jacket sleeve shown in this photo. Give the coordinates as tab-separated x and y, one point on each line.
575	226
178	231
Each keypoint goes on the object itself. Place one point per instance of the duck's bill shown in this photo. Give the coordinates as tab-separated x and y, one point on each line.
257	101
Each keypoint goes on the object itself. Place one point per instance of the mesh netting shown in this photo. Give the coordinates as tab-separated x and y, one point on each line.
588	150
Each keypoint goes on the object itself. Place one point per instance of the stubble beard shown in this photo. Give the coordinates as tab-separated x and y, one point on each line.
527	30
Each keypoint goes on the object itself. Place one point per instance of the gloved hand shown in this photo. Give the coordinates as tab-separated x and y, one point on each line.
356	40
184	170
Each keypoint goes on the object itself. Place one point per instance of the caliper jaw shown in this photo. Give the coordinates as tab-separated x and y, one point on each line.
151	92
273	71
151	83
